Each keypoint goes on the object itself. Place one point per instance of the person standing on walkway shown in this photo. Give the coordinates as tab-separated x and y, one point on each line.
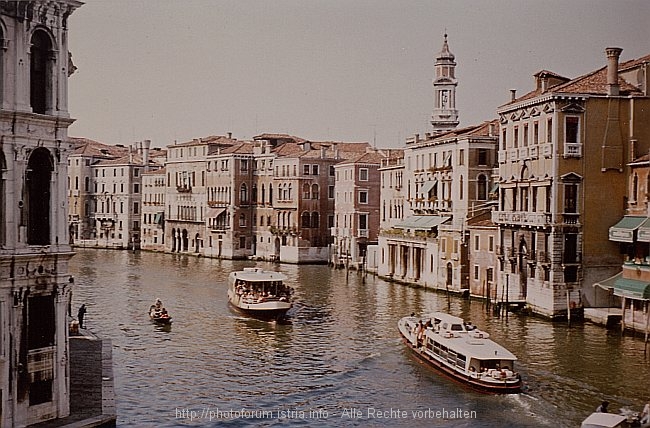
80	315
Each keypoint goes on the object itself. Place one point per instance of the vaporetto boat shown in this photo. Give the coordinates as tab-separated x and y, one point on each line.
259	293
461	351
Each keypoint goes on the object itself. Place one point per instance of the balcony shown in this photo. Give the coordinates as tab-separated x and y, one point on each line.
184	189
522	218
572	150
362	233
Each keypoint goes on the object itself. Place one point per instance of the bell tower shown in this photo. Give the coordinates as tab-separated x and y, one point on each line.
445	114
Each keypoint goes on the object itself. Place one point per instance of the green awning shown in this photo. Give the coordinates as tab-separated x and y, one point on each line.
422	222
623	231
625	287
643	234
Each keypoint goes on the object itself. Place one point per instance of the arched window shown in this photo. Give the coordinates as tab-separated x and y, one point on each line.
314	191
254	194
460	190
315	220
243	194
39	72
482	188
270	193
39	174
305	219
263	195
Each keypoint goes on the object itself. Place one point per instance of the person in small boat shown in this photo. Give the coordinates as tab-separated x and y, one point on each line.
645	414
603	407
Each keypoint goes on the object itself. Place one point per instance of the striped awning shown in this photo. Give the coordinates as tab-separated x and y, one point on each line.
623	231
422	222
427	186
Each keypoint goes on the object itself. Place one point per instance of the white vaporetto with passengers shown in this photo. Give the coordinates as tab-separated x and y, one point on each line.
461	351
259	293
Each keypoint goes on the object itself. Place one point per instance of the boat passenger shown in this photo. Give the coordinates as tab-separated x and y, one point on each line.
603	407
645	414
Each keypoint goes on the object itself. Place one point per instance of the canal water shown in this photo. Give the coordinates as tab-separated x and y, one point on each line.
338	361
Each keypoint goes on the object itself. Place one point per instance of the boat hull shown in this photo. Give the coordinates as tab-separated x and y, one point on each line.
263	313
472	379
505	388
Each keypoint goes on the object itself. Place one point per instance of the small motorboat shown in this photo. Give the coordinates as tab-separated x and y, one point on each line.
159	314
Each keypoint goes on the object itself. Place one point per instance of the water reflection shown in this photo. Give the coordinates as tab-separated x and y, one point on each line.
339	350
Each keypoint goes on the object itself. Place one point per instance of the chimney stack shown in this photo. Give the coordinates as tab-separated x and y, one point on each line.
230	135
146	145
513	94
612	70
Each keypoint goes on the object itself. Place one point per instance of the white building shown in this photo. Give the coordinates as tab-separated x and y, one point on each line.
35	286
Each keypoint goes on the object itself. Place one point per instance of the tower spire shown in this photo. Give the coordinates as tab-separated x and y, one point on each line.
445	114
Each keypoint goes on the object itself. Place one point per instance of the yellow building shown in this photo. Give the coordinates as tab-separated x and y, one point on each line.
563	152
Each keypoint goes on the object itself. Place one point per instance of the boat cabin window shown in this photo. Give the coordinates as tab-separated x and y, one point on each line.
457	327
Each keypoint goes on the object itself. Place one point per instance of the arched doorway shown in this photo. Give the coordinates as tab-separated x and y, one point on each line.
173	240
197	240
450	275
523	271
185	240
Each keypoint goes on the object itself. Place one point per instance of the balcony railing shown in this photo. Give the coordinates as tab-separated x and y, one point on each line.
184	189
572	150
362	233
522	218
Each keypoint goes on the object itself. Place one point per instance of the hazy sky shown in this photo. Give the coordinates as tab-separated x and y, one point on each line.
346	70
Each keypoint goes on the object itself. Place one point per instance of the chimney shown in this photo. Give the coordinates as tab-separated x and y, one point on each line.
491	129
146	145
513	95
612	70
230	135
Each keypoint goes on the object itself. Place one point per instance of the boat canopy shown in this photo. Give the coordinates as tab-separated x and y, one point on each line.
257	275
603	420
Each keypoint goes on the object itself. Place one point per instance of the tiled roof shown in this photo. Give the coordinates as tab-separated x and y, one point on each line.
212	139
271	136
91	148
373	157
593	83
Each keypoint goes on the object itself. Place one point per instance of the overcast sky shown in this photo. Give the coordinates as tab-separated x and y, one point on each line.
345	70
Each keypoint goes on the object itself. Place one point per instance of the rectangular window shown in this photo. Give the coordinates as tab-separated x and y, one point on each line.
331	170
570	198
136	172
461	157
482	157
305	170
503	139
443	245
525	135
136	208
314	169
477	243
363	196
491	243
571	130
549	130
136	188
363	174
476	272
515	137
363	221
330	192
536	133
